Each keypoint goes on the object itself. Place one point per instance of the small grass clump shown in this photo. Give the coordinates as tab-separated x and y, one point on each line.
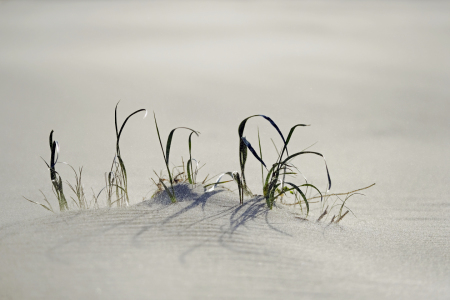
78	189
179	175
275	185
190	173
57	183
116	179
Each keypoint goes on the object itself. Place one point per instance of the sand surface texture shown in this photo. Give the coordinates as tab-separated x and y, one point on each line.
371	78
209	246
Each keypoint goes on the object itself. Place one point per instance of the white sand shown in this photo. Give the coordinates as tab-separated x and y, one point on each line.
372	78
209	246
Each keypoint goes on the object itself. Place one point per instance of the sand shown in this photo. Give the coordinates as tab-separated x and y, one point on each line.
208	246
371	78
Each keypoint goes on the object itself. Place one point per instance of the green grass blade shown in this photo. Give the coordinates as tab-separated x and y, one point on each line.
189	164
243	148
159	137
123	125
314	187
51	139
169	140
302	194
188	169
288	139
170	193
260	154
115	119
249	146
162	150
310	152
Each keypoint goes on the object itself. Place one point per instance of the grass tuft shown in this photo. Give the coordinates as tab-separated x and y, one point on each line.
166	155
116	179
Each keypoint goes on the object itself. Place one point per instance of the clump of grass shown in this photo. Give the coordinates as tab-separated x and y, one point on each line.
274	185
57	183
78	189
180	175
166	155
116	179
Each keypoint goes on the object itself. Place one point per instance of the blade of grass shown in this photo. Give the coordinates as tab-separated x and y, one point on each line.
301	194
242	146
260	154
310	152
249	146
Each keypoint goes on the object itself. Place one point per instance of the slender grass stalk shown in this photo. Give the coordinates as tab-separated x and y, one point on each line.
260	154
191	174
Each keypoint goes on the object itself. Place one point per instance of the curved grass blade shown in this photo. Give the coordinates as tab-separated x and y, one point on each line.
44	206
310	152
231	174
169	140
119	132
189	163
289	138
314	187
345	200
126	120
249	146
243	148
302	194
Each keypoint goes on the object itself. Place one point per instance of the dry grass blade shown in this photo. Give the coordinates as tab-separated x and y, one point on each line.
78	189
323	214
332	220
338	220
344	194
49	208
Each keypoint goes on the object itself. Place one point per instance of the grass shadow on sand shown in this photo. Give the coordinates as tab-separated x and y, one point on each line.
226	217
